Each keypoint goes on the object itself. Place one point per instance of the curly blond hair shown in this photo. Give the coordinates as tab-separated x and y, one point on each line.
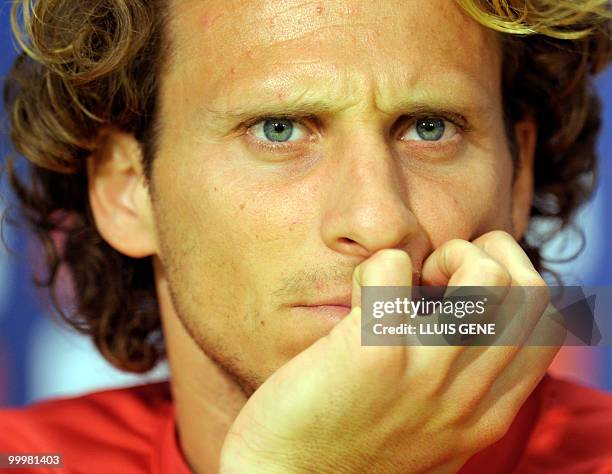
90	63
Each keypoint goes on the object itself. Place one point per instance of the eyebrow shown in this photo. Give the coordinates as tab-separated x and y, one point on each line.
248	114
232	119
312	102
299	105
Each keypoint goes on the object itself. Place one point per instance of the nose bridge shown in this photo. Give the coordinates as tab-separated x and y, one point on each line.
370	202
370	164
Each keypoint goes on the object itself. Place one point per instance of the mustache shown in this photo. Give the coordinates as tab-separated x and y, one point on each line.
311	282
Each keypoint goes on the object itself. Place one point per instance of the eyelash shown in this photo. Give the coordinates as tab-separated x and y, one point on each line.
275	146
457	120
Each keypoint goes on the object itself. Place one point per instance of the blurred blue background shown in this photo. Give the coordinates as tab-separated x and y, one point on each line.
39	358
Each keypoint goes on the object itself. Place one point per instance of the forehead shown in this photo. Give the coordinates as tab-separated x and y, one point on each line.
235	49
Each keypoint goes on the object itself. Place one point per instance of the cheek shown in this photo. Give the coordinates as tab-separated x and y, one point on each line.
466	205
198	234
224	219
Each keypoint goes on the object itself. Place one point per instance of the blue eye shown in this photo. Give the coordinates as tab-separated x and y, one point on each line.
430	130
277	130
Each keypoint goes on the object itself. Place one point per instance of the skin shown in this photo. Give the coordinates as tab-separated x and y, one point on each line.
241	234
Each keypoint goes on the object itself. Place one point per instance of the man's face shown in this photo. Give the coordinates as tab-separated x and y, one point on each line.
297	139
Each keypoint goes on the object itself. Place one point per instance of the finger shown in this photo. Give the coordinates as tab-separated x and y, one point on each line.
387	267
502	247
460	263
494	259
532	361
508	374
394	268
483	374
512	389
524	306
523	310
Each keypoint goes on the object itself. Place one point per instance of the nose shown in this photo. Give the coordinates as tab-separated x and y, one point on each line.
367	206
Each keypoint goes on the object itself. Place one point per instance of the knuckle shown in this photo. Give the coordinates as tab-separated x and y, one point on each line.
432	382
499	236
535	287
495	236
389	258
494	271
471	401
495	431
451	247
496	240
491	431
465	408
456	242
502	235
532	278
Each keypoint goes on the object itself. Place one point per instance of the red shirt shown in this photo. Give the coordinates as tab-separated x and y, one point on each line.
563	428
